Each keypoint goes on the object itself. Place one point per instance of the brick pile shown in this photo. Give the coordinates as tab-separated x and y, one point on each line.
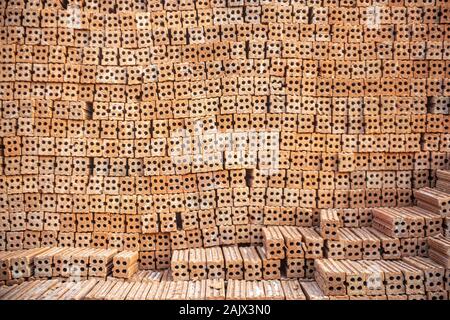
244	139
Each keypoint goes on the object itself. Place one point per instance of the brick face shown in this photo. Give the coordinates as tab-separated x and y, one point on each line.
200	123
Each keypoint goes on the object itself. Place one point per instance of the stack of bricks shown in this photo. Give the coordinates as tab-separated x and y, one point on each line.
236	140
232	262
440	251
125	264
410	278
443	184
433	200
19	265
65	263
294	252
157	126
443	180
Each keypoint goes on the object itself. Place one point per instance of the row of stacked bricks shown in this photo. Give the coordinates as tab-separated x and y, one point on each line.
66	263
156	126
389	260
162	289
403	256
415	256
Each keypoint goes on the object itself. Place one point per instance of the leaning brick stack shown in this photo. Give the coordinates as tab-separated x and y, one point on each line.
238	140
